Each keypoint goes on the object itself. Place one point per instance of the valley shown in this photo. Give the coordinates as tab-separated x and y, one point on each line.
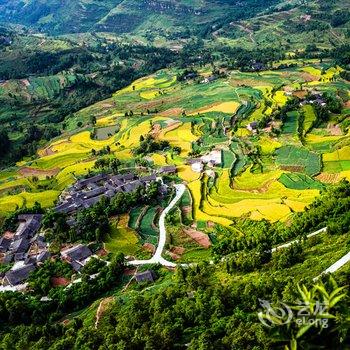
174	174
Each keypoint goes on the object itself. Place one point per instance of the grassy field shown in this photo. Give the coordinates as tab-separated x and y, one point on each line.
310	118
122	238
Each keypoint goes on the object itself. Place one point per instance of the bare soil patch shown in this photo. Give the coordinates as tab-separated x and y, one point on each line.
102	252
27	172
59	281
156	129
129	272
102	308
172	112
201	238
285	75
334	130
187	209
169	122
25	82
245	82
309	77
210	224
328	178
177	250
156	103
48	152
149	247
8	235
300	93
173	255
171	127
108	105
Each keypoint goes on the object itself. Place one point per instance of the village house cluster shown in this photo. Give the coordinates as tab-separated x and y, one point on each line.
315	97
87	192
25	248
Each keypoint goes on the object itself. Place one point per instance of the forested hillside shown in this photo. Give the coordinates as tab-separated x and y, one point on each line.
203	306
122	16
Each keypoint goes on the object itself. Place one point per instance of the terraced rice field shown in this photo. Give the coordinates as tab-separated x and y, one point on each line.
147	227
322	143
198	213
135	217
106	132
263	175
180	136
26	199
337	161
225	107
268	145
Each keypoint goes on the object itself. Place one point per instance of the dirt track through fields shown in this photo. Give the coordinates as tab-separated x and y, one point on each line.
101	309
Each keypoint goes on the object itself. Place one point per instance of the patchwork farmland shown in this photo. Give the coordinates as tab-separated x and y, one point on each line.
271	149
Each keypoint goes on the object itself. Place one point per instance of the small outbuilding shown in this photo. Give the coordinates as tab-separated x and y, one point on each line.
146	276
168	170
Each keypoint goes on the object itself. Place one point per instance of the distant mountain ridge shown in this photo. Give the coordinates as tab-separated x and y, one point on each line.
124	16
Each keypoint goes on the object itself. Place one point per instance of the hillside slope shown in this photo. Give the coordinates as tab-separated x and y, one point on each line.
121	16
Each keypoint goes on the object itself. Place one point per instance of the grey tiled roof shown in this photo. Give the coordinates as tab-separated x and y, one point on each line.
76	266
43	256
15	277
149	178
168	169
20	256
94	179
31	225
147	276
132	186
20	246
78	253
4	244
94	193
